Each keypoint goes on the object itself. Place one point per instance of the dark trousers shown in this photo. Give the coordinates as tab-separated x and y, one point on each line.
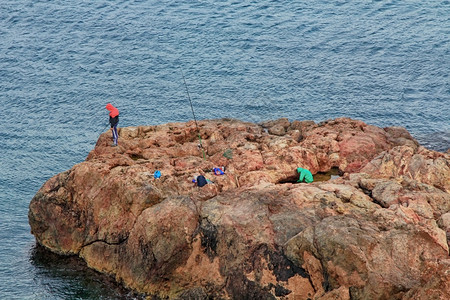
115	135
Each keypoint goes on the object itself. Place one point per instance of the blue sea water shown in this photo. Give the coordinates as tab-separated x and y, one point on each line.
384	62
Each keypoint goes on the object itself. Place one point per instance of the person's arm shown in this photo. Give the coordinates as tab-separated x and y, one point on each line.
302	176
300	172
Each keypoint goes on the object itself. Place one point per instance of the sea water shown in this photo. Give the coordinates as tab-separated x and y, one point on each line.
386	63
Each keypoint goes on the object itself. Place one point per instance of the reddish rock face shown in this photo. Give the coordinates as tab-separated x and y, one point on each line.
378	232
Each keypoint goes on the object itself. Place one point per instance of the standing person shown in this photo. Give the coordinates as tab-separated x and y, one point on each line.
304	175
113	120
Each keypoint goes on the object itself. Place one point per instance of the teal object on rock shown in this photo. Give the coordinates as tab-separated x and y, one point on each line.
305	175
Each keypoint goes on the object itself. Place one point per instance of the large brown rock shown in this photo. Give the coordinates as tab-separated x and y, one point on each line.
378	232
424	165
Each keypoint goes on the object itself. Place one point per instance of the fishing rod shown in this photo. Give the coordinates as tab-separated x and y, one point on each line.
102	131
193	113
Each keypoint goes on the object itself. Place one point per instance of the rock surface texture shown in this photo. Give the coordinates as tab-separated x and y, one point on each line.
379	231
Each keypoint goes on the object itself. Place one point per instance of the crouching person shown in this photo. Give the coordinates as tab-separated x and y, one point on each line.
305	175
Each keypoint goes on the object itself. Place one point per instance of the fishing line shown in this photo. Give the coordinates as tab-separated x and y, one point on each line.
193	113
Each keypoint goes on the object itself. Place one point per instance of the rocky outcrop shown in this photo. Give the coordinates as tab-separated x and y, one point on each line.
380	231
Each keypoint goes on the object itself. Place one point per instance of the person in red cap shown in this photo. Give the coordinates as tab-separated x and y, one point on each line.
113	120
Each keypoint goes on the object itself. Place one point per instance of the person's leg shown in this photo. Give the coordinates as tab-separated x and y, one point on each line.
115	135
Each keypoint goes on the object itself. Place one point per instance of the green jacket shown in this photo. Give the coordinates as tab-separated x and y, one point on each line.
305	174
